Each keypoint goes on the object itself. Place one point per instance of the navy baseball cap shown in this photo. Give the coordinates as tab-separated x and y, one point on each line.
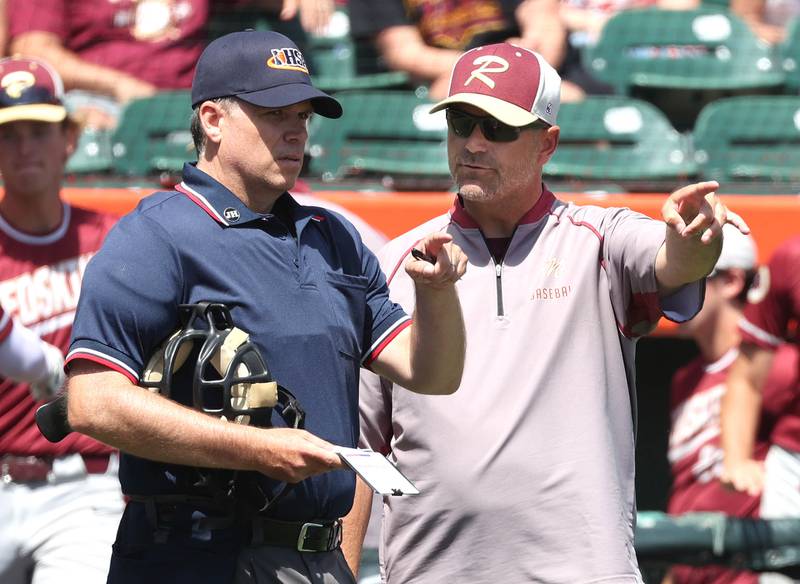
264	68
30	90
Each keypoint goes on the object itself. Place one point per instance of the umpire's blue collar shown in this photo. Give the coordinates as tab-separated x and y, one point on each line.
228	210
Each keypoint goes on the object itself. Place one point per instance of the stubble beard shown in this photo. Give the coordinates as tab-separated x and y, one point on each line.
475	193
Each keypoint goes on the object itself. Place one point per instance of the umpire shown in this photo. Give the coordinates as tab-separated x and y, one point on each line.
313	299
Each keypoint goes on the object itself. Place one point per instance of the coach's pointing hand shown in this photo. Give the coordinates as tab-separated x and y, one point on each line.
696	209
436	261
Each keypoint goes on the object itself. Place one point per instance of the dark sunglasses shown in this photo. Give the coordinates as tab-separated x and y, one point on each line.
463	124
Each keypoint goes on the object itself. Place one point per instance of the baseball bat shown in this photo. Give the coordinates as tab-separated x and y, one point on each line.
51	418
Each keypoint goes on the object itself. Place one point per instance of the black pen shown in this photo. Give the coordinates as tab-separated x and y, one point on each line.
421	256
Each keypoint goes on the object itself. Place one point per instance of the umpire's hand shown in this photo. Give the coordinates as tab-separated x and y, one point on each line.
438	262
291	455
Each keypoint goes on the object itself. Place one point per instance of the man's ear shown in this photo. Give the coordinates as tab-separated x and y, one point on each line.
549	144
733	282
72	132
211	115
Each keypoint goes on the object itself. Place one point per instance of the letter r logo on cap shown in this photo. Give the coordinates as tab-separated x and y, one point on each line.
486	63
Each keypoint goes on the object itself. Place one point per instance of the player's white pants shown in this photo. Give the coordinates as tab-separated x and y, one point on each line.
59	532
781	495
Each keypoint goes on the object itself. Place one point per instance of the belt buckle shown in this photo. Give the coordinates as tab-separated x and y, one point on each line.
336	535
301	539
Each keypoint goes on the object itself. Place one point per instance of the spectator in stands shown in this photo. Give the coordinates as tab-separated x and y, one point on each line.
767	18
695	451
770	319
111	51
425	38
59	504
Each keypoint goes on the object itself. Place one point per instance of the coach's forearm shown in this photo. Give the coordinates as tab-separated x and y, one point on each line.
682	260
438	342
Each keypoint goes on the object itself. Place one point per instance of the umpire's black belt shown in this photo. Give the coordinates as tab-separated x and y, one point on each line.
310	536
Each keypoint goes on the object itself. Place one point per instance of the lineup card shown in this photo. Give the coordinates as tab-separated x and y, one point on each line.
377	471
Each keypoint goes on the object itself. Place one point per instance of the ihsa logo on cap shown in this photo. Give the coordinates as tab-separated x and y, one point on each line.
289	58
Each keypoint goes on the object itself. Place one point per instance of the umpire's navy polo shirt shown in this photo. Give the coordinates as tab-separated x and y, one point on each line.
315	302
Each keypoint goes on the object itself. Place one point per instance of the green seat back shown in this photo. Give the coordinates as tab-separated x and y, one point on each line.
749	138
333	67
620	139
684	49
381	133
92	153
153	135
789	52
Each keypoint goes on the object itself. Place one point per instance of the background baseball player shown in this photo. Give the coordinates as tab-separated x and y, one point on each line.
26	358
59	504
770	319
695	452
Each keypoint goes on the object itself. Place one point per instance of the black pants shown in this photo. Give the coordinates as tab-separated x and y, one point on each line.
186	553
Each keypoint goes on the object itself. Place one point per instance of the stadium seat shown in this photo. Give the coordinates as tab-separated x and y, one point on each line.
706	48
382	133
789	52
749	138
333	67
92	153
620	139
331	59
153	135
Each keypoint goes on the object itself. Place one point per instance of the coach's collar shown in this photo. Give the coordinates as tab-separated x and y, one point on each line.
542	206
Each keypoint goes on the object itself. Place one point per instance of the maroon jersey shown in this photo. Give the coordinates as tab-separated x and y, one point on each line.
158	41
771	318
695	453
40	279
774	307
6	324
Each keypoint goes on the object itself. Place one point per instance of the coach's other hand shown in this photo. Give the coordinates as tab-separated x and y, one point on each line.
443	263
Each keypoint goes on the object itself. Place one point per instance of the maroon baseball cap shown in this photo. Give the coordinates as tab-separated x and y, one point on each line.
30	90
515	85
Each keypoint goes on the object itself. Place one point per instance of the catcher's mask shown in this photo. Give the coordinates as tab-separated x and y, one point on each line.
230	377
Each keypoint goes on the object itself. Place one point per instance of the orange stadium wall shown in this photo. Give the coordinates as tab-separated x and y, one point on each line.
772	218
